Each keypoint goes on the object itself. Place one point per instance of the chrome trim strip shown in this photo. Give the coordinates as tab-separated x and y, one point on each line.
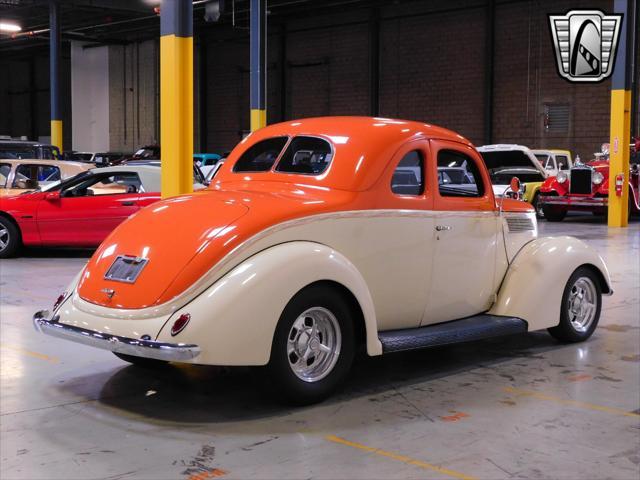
578	201
170	352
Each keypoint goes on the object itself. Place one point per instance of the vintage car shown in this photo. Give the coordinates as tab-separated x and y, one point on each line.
77	212
586	187
313	242
20	176
532	167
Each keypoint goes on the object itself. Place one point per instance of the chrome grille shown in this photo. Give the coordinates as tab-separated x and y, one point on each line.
580	181
520	224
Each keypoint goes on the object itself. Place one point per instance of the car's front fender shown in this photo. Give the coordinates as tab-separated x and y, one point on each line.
234	320
535	280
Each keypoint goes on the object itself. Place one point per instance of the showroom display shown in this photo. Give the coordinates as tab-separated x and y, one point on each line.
532	167
586	187
321	235
77	212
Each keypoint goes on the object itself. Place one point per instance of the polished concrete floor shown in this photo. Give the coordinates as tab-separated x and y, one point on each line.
525	407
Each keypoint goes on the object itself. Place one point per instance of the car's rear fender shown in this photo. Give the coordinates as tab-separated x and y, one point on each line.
533	285
234	320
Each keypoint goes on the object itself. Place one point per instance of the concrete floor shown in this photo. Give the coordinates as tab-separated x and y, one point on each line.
524	407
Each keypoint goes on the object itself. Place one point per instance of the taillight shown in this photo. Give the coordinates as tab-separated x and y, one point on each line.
60	300
180	324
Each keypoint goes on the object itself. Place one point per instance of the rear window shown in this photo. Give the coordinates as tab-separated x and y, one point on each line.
306	155
261	156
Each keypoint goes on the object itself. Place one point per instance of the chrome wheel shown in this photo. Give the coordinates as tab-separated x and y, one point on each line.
313	344
5	237
582	304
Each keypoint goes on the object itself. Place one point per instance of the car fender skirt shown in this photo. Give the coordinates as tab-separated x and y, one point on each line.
534	282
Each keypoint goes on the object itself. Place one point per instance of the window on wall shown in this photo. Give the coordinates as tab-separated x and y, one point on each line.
408	177
458	175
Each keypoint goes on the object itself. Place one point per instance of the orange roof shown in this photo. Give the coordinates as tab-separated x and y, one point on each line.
363	147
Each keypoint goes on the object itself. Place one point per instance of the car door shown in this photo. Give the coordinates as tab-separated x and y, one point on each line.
464	245
85	213
399	232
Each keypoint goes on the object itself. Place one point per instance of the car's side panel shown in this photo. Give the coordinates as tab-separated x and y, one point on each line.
533	286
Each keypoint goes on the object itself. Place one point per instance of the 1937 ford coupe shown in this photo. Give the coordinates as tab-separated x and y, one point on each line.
320	236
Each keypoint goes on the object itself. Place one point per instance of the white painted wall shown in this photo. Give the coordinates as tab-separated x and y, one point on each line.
90	98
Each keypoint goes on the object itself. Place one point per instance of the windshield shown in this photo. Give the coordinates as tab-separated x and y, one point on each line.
18	151
511	163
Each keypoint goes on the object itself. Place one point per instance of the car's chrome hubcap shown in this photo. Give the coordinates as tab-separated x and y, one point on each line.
314	343
582	304
4	238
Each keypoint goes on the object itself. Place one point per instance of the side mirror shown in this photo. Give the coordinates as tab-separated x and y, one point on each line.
52	196
514	185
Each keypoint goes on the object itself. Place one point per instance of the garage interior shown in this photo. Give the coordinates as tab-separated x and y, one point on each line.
516	407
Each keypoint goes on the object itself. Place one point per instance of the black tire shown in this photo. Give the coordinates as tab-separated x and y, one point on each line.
317	300
10	238
535	202
141	361
566	330
553	214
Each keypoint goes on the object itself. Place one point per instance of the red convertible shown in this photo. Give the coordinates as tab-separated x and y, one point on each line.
586	187
78	212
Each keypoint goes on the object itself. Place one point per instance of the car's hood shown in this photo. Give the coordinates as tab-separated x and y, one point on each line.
184	237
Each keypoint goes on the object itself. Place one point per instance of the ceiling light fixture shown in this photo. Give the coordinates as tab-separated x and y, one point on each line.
10	27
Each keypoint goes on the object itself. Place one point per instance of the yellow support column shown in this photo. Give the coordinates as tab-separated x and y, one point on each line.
621	120
176	96
257	54
54	74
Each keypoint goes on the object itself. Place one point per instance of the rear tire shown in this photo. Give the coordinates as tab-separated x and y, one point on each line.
313	346
141	361
10	238
580	308
553	214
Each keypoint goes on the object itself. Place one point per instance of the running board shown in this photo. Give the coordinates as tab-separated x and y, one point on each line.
467	329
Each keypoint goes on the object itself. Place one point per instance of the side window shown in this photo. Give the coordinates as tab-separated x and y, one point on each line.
5	170
408	177
261	156
116	184
458	175
32	176
306	155
563	162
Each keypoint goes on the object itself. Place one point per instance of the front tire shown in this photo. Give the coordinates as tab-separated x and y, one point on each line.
553	214
313	346
10	238
537	205
580	308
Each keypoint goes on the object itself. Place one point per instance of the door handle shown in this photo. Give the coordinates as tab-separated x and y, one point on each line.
441	228
128	203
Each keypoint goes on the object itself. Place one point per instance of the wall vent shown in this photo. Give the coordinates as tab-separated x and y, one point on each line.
557	117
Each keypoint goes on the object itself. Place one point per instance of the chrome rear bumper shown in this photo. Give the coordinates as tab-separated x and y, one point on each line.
171	352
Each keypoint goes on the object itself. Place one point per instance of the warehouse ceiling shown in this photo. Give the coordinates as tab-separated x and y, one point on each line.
123	21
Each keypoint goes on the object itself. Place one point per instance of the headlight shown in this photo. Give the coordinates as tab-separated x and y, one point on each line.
597	178
562	177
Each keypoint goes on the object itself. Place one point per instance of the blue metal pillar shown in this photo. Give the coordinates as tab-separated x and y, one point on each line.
258	45
54	73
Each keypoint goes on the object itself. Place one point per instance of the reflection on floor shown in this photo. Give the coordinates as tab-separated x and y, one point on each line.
524	407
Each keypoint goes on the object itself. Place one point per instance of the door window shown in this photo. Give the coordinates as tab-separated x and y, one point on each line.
408	177
32	176
5	170
563	162
115	184
458	175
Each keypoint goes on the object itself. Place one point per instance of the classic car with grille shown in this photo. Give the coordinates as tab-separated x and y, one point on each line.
322	237
585	187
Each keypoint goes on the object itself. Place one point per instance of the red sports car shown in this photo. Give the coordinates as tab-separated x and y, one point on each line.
78	212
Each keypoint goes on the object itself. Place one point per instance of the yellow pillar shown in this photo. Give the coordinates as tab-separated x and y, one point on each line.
619	156
56	133
176	97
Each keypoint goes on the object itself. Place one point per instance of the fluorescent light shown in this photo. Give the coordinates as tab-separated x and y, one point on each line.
9	27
